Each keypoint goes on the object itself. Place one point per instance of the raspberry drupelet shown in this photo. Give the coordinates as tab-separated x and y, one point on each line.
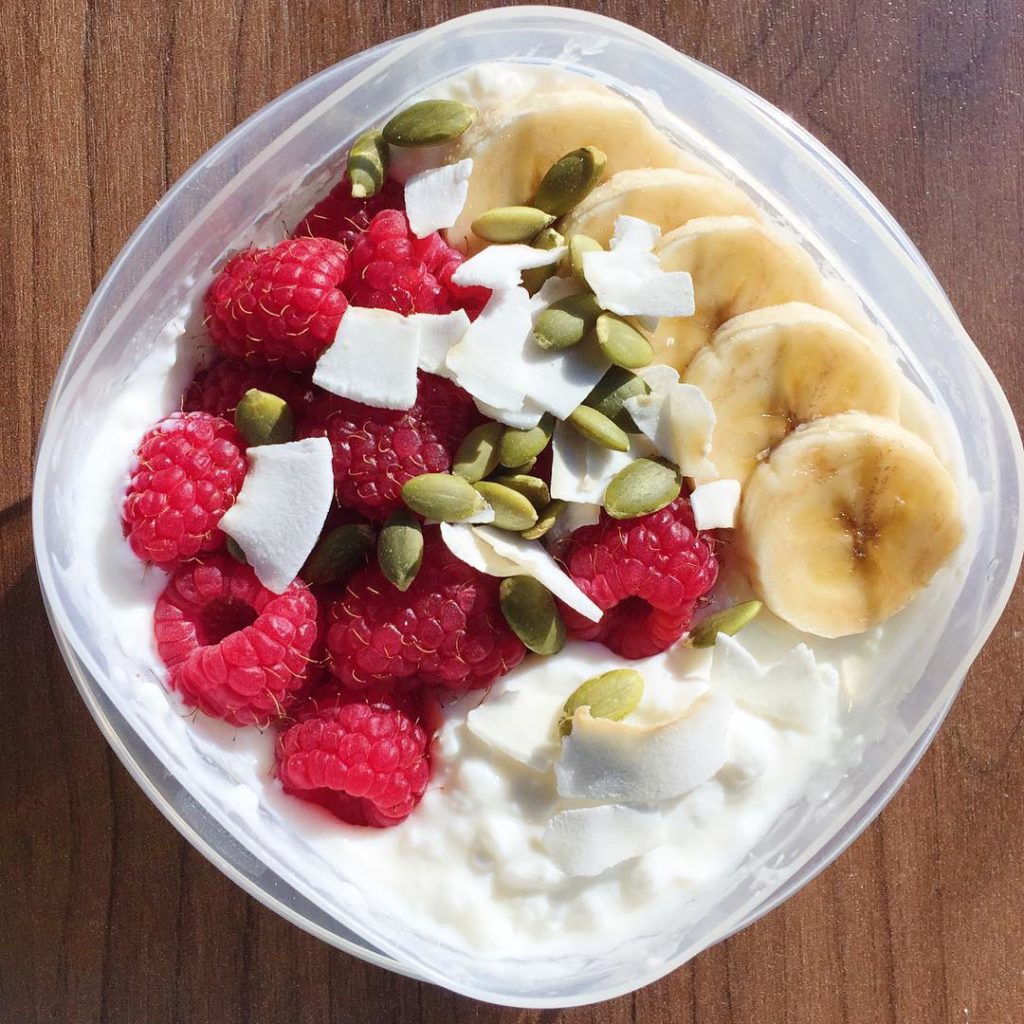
377	450
188	471
234	649
219	388
279	306
446	630
365	762
647	574
342	218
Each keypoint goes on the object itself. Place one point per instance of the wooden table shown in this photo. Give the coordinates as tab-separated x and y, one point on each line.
106	914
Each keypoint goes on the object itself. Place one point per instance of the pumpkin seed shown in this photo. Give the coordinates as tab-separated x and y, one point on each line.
519	446
400	548
579	246
621	343
729	621
444	498
534	277
512	510
612	695
530	487
566	322
596	427
610	393
429	123
546	518
642	487
262	418
532	614
569	180
368	164
339	554
511	224
478	454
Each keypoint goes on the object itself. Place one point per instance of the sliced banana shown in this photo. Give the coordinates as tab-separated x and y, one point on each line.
737	266
665	196
513	146
769	371
847	520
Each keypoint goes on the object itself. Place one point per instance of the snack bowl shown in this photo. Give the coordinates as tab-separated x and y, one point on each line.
295	145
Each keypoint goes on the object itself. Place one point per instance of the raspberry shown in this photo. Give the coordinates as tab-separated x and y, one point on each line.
219	388
367	763
646	573
447	629
340	217
279	306
234	649
377	450
188	471
393	269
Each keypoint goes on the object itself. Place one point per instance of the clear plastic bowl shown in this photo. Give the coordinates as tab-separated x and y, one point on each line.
790	173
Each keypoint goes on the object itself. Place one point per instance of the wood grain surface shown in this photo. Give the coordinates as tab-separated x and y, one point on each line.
106	913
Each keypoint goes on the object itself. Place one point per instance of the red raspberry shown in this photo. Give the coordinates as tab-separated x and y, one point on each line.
219	388
188	471
393	269
446	630
234	649
368	763
279	306
340	217
377	450
646	573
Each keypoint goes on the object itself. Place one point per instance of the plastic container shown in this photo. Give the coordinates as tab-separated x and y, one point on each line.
843	225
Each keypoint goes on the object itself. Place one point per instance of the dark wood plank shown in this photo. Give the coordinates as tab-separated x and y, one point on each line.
107	915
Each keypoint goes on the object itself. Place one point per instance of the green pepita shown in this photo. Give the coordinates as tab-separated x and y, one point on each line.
262	418
511	224
644	486
368	164
512	510
596	427
519	446
621	343
532	614
429	123
729	621
400	548
569	180
478	454
610	394
339	554
546	518
566	322
612	695
579	246
534	277
444	498
530	487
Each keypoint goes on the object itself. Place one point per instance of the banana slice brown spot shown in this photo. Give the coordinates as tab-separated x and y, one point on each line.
846	522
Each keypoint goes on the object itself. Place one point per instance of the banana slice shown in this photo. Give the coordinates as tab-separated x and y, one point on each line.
513	147
665	196
847	520
737	266
769	371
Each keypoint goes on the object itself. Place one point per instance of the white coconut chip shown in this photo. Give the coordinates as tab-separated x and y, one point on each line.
587	841
615	762
434	198
628	280
502	266
438	332
499	553
373	359
581	470
522	724
521	419
678	420
715	504
796	691
281	508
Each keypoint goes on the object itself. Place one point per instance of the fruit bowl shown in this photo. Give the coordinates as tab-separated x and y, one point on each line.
295	144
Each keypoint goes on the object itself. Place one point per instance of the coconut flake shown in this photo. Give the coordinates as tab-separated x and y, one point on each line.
628	279
281	508
616	762
373	359
715	504
796	691
586	841
522	724
434	198
438	332
554	289
502	266
581	470
678	420
521	419
499	553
